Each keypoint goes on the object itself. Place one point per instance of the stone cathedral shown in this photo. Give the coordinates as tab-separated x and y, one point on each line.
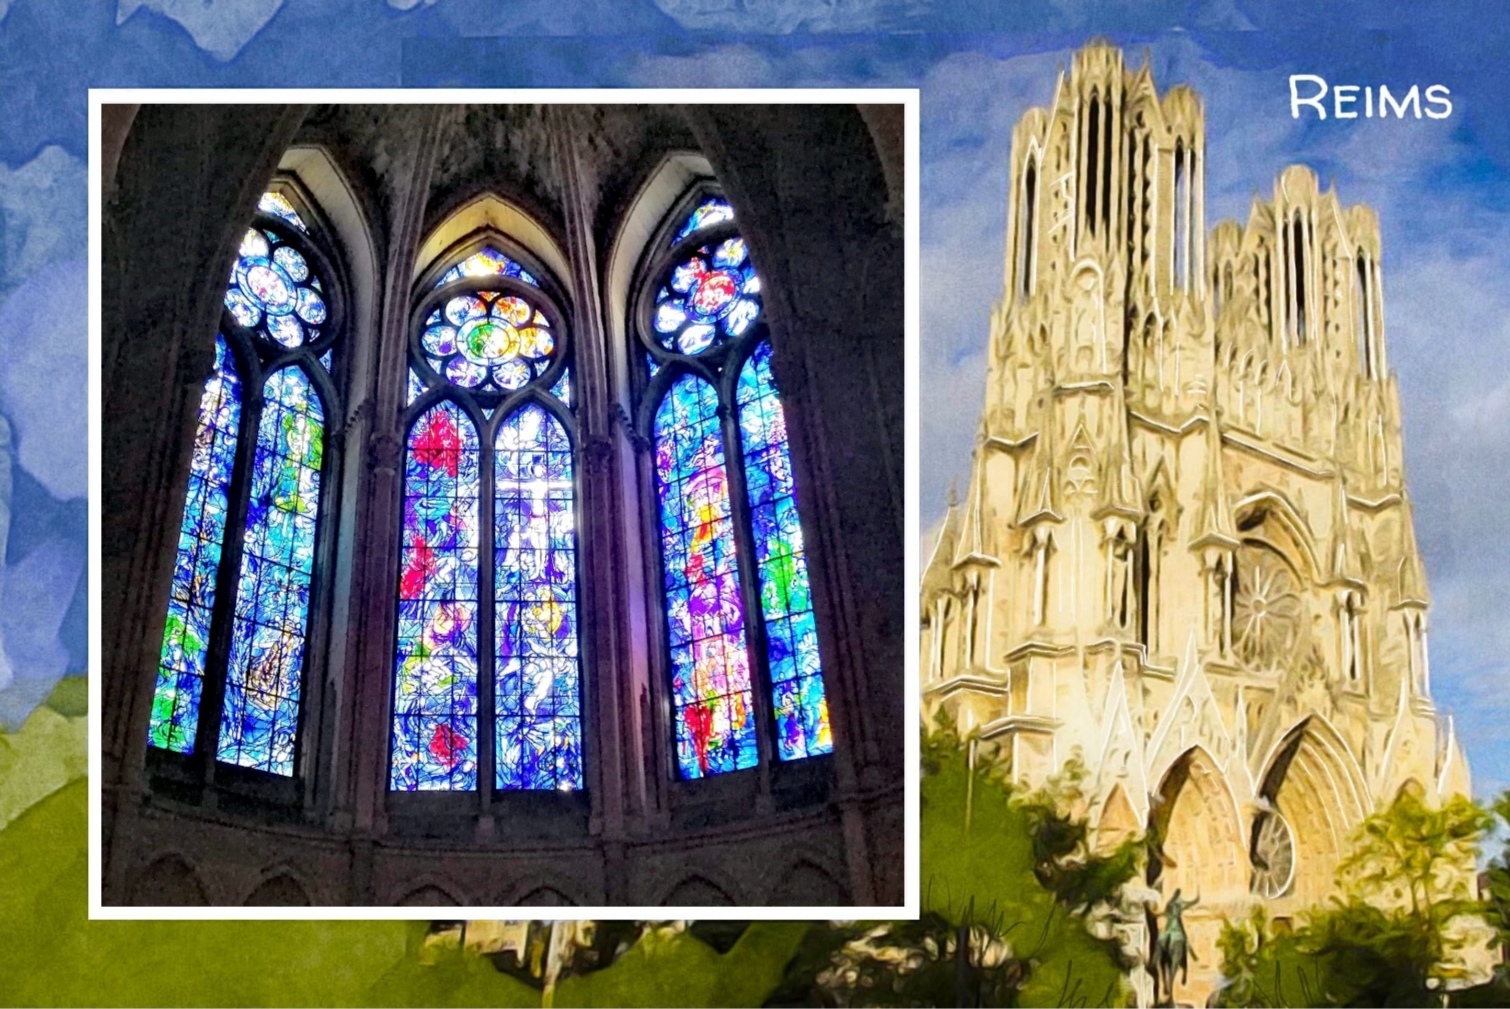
1186	553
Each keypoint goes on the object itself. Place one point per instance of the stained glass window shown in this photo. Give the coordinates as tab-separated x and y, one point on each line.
488	341
538	700
488	262
276	314
786	599
710	666
260	717
709	299
435	692
273	292
277	204
711	211
483	346
186	638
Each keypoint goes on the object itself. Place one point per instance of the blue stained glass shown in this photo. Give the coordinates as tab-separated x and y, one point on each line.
260	718
416	387
714	210
277	204
273	292
488	262
435	681
186	637
562	390
711	688
537	697
710	297
786	602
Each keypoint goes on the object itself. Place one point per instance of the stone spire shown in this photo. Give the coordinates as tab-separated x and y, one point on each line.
1213	520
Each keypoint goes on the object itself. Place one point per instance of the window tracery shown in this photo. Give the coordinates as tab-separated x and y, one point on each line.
233	661
741	634
487	664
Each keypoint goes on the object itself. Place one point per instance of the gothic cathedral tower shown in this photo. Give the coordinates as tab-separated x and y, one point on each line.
1186	555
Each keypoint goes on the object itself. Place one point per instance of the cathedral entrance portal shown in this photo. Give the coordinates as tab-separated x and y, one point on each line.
1198	850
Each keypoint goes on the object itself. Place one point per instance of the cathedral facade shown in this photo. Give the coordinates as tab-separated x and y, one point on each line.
1186	556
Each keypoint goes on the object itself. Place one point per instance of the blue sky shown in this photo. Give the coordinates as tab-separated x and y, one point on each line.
1442	189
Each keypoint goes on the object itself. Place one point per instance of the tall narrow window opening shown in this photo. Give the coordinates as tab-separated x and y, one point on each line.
741	633
1298	279
1027	216
1181	237
487	664
233	664
1092	163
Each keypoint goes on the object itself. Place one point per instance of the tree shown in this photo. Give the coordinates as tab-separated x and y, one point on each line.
1015	902
1396	934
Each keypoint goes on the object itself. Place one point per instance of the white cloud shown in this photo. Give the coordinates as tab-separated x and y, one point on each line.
219	27
42	213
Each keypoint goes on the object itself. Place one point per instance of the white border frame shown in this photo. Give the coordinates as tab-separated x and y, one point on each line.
907	97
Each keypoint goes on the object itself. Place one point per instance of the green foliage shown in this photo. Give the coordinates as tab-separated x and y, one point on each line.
668	968
1396	933
1010	889
1498	896
53	955
44	755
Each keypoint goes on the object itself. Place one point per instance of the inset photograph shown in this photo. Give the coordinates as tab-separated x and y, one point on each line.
503	506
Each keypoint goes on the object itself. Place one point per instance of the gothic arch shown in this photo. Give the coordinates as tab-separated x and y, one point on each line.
489	214
1284	529
279	888
805	882
426	890
168	881
546	889
1194	818
1313	782
544	896
698	891
663	188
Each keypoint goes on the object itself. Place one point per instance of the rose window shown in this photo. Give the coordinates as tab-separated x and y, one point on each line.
711	297
488	340
273	292
1267	607
1273	855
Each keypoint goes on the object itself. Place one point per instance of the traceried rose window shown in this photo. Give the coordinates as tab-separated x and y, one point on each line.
1267	607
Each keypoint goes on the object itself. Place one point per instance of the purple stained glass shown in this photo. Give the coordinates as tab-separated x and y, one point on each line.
707	299
786	600
537	699
435	681
260	718
711	690
186	637
714	210
489	262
